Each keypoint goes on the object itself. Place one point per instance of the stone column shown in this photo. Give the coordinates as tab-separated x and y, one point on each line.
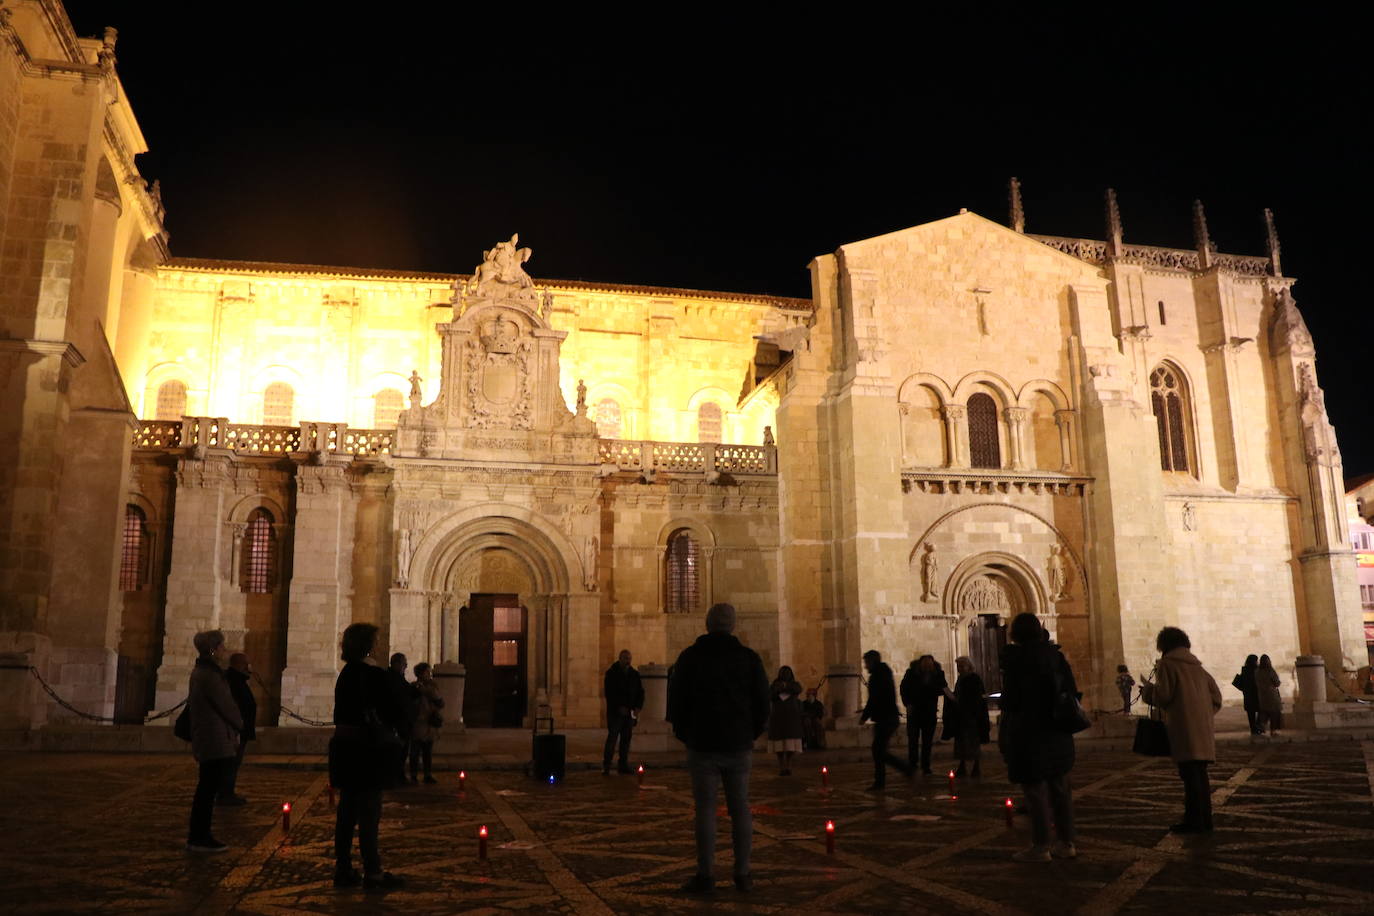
654	717
956	434
1016	435
1064	420
844	695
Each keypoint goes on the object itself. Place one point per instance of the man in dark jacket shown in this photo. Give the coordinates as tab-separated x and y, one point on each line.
404	696
237	676
922	686
215	727
882	710
718	704
624	700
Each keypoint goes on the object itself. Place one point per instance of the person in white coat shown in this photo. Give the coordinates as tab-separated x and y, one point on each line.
1189	698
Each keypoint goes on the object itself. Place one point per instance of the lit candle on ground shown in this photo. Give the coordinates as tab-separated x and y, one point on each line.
830	838
286	817
825	776
1010	810
462	780
641	775
482	842
951	782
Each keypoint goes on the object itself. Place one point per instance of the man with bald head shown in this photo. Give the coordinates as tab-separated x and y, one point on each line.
718	704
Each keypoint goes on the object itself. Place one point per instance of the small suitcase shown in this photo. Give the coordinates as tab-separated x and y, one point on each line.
550	752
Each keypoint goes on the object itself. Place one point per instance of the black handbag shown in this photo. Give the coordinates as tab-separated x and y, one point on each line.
182	726
1068	715
1151	738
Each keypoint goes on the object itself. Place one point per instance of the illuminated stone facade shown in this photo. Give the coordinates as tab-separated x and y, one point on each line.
963	422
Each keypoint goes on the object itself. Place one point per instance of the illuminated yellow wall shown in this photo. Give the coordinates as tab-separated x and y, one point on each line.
228	330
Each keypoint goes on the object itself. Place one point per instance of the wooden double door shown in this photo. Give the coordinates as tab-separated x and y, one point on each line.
492	639
986	637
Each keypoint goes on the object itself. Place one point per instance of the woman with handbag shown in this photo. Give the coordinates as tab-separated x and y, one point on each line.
1270	702
1189	699
1038	749
362	758
428	721
1249	690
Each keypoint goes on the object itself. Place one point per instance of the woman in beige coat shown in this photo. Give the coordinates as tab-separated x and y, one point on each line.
1190	699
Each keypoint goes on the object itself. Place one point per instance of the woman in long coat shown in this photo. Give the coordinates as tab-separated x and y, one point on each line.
1270	703
966	717
424	731
785	719
1039	755
1249	690
1190	699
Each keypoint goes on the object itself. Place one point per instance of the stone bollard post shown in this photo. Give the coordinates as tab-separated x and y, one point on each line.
1311	679
652	732
843	704
451	678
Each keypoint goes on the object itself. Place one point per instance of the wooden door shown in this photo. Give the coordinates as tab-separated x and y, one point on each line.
986	637
492	640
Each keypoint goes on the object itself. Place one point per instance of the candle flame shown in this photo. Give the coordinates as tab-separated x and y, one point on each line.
825	769
829	826
1008	803
641	768
286	806
462	774
482	831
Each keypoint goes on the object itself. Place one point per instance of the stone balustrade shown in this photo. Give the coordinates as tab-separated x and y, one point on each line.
259	439
689	457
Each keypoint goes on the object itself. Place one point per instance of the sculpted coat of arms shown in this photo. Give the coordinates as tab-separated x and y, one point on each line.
500	386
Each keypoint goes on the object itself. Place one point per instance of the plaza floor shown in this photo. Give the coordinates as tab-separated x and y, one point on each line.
104	833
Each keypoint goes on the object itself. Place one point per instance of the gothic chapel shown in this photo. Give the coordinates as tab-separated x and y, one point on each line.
515	478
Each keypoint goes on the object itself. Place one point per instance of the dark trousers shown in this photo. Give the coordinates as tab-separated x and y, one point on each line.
213	774
882	758
421	749
1256	723
619	728
920	729
231	779
406	742
1197	793
360	808
1050	801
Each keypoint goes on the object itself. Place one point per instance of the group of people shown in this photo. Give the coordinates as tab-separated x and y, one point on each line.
421	717
1258	683
222	714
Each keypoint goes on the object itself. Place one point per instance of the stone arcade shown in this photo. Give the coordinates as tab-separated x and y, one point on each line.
964	421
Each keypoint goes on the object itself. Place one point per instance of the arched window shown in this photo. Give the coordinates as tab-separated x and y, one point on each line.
683	573
983	449
1167	401
133	561
708	422
171	400
259	573
278	405
386	407
608	418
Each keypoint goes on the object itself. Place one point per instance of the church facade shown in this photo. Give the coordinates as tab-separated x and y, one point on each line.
516	478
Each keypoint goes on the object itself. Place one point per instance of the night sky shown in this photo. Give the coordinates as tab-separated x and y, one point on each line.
696	147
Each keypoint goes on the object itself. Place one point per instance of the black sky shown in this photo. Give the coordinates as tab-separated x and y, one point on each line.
701	147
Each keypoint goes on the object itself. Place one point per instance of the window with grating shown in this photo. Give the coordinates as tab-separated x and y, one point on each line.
708	422
259	575
983	450
683	573
608	419
505	620
133	561
278	405
386	407
1166	401
505	652
171	400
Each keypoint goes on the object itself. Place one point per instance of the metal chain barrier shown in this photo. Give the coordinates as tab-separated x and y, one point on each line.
1348	695
47	688
314	723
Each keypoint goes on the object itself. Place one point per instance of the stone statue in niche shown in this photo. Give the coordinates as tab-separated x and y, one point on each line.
403	558
501	273
590	553
930	574
416	394
581	398
768	436
1059	582
1189	517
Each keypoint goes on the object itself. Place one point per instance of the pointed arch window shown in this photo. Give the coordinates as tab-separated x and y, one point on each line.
171	400
386	408
1168	400
259	573
278	405
608	418
683	573
133	561
983	449
708	422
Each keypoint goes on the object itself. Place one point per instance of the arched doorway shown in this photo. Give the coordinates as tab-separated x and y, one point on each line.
493	626
986	592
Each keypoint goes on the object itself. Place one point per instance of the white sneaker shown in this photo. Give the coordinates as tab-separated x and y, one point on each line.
1033	854
1063	850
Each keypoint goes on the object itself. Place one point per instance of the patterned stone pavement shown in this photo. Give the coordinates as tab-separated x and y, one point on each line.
1295	829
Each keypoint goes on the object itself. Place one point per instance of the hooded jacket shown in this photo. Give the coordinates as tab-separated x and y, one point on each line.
718	695
1189	699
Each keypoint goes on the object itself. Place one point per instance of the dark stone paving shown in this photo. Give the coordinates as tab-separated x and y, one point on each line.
104	833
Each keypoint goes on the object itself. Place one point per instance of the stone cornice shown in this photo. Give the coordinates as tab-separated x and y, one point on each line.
68	351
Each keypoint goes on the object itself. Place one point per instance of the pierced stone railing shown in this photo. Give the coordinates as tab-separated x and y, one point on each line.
688	457
1154	256
260	439
247	439
158	434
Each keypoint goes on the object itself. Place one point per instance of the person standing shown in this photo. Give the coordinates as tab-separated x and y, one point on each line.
881	709
1244	681
1267	690
1124	684
718	705
966	718
922	686
215	728
237	676
813	725
785	719
1190	699
1039	755
403	695
428	721
624	702
362	757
